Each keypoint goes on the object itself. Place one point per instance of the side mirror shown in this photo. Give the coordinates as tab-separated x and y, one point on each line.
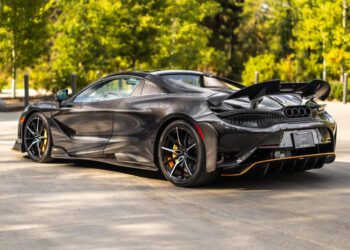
61	95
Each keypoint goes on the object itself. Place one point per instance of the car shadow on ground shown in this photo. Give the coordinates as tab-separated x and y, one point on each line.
310	179
110	167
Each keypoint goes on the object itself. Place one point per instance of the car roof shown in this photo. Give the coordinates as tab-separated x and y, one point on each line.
157	73
155	77
176	72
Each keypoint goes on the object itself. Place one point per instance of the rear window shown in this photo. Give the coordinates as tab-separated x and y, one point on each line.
183	79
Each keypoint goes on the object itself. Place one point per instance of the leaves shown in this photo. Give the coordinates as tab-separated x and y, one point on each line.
294	40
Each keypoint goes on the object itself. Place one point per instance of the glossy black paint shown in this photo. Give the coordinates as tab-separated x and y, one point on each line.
125	131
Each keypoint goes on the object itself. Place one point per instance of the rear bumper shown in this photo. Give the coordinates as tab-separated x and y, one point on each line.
286	164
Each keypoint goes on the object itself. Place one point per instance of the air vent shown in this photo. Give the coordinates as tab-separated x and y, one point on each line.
262	120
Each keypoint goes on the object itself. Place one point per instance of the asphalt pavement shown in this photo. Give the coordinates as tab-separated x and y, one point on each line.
88	205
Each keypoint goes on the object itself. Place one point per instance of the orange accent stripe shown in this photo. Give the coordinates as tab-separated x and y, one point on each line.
279	159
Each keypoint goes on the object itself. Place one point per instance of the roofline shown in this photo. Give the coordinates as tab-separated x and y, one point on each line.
133	73
157	73
174	71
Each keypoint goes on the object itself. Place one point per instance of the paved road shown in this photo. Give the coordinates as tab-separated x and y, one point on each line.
89	205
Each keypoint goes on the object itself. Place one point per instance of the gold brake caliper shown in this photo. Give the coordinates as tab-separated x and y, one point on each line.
173	156
43	147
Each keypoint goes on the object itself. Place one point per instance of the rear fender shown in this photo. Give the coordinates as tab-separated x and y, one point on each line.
210	140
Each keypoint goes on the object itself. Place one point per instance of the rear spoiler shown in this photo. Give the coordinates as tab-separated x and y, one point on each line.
309	90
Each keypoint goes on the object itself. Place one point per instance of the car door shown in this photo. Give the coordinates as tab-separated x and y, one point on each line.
87	119
135	123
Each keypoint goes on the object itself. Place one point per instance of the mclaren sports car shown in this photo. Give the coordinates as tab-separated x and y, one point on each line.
190	125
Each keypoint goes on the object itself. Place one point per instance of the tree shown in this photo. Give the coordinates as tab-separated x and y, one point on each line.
23	34
266	66
224	38
105	36
183	39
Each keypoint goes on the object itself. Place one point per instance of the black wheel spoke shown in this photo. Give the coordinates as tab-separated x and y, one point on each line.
178	136
175	167
31	131
190	147
187	168
37	125
42	128
191	158
172	140
169	150
38	147
185	139
32	144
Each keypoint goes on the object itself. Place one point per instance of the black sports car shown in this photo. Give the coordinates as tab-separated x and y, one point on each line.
192	126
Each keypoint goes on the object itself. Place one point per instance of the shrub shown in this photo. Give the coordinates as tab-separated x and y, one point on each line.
266	66
337	91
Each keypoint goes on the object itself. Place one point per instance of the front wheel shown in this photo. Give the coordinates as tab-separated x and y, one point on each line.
181	155
37	138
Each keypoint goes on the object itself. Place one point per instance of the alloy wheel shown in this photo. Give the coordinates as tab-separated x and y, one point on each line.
35	138
179	153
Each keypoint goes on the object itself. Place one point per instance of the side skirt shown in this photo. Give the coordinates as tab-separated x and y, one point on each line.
59	153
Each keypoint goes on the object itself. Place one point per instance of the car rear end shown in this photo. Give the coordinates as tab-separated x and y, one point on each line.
272	141
282	132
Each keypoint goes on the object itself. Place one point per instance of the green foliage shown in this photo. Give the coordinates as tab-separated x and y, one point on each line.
264	64
3	81
97	37
294	40
23	33
337	89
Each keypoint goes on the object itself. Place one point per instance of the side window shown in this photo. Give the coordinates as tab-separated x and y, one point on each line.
181	79
150	88
116	88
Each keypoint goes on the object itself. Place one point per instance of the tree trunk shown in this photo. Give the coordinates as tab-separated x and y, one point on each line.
14	72
324	72
133	63
14	56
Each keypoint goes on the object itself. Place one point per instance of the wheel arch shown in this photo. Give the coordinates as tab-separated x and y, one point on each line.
210	140
166	121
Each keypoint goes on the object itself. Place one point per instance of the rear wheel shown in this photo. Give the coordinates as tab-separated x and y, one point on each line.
37	138
181	155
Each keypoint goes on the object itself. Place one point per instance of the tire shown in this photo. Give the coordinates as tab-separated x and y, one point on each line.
37	138
181	155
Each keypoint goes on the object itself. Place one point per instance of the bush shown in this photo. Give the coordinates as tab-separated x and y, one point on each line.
337	91
3	83
266	66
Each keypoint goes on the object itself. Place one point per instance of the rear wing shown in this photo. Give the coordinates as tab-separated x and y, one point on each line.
309	90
